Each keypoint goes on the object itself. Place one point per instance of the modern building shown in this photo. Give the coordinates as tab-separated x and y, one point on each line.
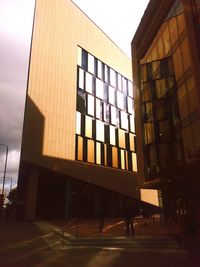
78	153
166	63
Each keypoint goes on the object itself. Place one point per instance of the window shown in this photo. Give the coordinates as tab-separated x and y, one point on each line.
100	133
90	151
99	69
91	63
147	92
98	153
130	89
134	161
130	105
81	78
120	100
113	118
112	78
111	95
84	59
124	85
131	123
79	57
80	148
89	83
123	120
121	138
99	89
114	157
90	105
78	122
88	126
149	133
119	80
122	158
105	73
132	142
112	135
98	109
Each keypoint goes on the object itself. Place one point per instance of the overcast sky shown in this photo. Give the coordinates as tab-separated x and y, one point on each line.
118	19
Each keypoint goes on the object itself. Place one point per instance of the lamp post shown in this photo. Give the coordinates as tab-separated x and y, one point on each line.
5	167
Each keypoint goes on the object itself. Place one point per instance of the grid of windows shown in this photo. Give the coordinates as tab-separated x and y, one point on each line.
105	127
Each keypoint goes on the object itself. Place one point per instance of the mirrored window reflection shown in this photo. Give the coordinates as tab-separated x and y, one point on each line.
134	161
80	148
119	81
120	100
132	141
130	89
79	56
98	109
90	151
100	132
113	115
105	73
112	135
112	77
122	158
121	138
111	95
91	63
99	69
126	159
78	122
130	105
104	111
88	83
149	133
81	79
123	120
114	157
88	126
98	153
99	89
90	105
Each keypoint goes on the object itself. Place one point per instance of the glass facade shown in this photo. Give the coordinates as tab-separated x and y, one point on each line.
169	94
105	125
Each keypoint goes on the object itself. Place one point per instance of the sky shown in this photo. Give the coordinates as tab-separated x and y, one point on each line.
118	19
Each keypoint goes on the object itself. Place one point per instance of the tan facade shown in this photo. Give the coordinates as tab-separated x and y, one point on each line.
50	115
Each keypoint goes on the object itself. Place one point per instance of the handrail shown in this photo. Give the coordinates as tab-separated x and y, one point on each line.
67	225
180	230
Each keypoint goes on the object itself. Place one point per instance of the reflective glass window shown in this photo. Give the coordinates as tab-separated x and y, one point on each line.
185	49
132	141
134	161
91	63
112	77
161	88
130	105
122	158
98	153
112	135
80	148
124	85
146	91
113	115
119	80
105	112
121	140
99	88
99	69
78	122
111	95
166	40
105	154
90	151
81	79
90	105
183	101
123	120
88	83
88	126
98	109
131	124
149	133
100	132
105	73
120	100
114	157
130	88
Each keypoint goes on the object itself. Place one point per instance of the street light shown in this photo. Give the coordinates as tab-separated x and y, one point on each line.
5	167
